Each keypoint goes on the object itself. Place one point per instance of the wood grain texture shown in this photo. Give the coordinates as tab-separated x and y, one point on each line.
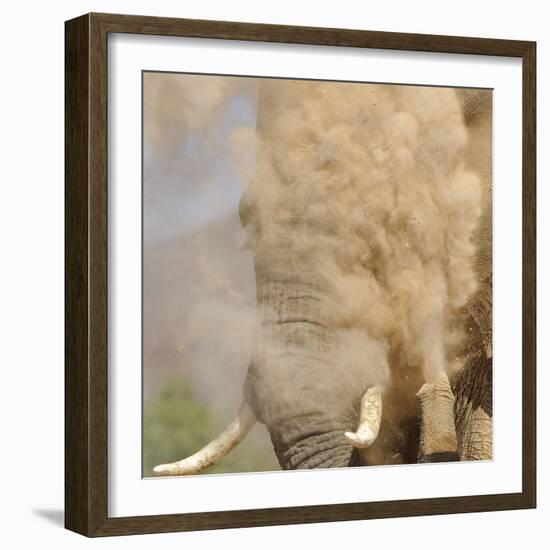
77	459
86	279
529	275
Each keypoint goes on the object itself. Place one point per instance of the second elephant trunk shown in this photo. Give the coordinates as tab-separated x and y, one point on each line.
438	441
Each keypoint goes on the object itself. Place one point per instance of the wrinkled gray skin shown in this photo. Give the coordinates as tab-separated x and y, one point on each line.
473	386
467	405
307	425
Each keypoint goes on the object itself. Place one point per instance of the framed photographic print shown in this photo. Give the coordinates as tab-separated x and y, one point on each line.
300	274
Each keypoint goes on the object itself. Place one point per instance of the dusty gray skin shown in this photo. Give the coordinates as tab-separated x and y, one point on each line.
307	423
470	401
469	398
305	401
473	385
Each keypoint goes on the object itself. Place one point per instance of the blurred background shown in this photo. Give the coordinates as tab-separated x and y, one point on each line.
198	280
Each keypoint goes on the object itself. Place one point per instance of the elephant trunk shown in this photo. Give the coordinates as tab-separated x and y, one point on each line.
305	382
312	442
289	380
438	441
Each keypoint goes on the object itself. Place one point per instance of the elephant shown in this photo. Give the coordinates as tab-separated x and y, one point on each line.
369	221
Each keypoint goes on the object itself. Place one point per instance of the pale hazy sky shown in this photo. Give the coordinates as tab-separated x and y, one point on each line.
198	282
190	177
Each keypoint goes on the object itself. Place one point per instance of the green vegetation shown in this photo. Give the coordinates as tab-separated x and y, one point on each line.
175	425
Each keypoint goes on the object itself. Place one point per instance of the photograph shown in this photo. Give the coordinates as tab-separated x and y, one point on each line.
317	274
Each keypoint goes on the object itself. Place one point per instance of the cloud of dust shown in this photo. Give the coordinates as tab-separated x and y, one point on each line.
176	105
375	177
191	173
199	289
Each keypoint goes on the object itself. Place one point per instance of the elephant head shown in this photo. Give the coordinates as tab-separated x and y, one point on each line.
363	221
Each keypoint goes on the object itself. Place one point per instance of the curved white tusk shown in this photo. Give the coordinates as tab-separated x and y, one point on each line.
216	449
369	419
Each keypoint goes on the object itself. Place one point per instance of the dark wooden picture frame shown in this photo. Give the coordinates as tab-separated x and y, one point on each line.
86	289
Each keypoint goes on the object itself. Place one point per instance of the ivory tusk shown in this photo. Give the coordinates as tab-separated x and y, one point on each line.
369	419
214	451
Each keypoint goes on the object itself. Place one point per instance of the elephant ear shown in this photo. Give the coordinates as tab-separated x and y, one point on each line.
477	108
473	389
473	386
479	324
480	307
